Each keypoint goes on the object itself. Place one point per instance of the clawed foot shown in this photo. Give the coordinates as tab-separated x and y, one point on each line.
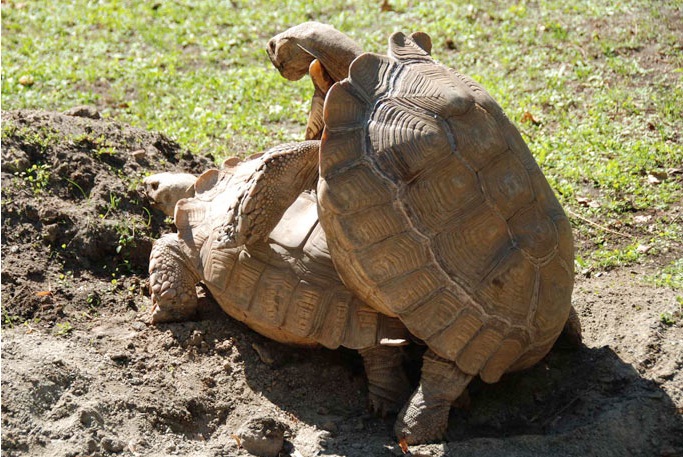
425	417
171	282
420	421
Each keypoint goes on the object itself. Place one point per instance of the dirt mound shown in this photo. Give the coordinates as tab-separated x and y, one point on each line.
84	374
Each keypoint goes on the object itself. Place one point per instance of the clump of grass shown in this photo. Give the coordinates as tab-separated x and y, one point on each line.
600	114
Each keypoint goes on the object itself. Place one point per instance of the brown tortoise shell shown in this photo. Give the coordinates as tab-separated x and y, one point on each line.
436	212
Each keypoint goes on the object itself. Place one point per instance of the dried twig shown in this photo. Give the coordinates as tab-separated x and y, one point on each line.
578	216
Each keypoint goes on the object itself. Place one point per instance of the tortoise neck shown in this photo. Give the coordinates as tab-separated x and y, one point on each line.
334	50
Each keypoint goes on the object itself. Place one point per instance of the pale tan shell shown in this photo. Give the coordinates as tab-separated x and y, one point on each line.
287	288
436	212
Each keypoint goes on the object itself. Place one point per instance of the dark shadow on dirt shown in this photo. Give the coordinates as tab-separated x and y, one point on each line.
577	401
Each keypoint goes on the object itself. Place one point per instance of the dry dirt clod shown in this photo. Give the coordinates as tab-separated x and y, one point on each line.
83	111
112	445
262	436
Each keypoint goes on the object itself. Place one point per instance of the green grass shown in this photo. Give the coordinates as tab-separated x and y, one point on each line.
601	80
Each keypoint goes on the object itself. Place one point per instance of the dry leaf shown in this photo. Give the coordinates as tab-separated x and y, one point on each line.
385	7
643	248
529	118
238	439
404	445
642	219
27	80
585	201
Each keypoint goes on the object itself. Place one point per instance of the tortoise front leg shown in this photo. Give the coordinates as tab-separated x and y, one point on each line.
388	386
284	173
171	281
425	417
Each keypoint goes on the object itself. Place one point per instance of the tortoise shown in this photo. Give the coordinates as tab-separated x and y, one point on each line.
435	212
286	287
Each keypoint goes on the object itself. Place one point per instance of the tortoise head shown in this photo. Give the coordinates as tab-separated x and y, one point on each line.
165	189
293	50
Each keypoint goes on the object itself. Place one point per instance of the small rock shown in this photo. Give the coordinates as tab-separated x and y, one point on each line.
89	417
196	338
263	436
91	446
330	426
119	357
112	445
138	154
83	111
50	233
139	326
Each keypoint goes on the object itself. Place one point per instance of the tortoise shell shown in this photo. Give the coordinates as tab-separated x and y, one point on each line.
436	212
286	287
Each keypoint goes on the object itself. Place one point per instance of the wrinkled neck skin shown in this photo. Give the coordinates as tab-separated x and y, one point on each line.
293	50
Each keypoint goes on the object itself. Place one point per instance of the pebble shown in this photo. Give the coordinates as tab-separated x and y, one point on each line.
263	436
83	111
112	445
330	426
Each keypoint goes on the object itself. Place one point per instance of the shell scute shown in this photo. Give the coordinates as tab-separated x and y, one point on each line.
508	351
434	314
449	190
370	75
534	232
369	226
407	291
355	189
342	150
470	246
478	138
507	184
430	88
404	48
449	342
394	257
348	110
404	141
479	349
508	290
554	298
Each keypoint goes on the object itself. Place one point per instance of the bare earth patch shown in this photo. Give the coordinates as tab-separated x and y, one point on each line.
84	374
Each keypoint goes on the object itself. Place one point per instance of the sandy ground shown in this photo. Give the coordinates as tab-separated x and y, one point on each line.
83	373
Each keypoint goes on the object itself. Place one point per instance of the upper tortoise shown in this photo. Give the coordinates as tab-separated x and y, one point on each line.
435	211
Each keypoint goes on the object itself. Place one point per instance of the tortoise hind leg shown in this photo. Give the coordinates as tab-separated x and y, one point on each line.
425	417
171	282
572	329
388	386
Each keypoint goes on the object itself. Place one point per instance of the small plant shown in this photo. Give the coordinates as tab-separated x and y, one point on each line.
37	177
63	328
667	319
93	300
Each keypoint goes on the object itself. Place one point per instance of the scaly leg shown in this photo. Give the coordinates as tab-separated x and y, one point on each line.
171	281
388	385
425	416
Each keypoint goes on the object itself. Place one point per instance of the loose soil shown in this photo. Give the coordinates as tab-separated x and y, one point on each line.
84	373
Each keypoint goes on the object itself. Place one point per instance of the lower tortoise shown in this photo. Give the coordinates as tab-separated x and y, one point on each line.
286	287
